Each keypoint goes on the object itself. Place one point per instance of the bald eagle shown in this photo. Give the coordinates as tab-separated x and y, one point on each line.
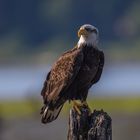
73	74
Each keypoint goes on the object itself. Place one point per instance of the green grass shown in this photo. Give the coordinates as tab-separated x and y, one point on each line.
25	108
130	105
21	108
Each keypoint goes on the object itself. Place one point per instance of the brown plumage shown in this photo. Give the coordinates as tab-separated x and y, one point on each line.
70	79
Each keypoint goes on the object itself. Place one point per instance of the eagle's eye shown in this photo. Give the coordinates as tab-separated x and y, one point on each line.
88	29
94	30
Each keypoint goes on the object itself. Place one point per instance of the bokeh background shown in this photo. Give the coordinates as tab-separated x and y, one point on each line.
34	33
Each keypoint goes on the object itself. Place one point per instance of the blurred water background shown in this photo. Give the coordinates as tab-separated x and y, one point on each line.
33	34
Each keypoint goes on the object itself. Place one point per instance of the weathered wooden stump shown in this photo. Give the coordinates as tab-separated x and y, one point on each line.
89	126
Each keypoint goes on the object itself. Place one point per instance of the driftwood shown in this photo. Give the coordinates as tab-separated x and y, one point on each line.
89	126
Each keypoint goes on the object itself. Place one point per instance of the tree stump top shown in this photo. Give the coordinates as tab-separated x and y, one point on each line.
89	126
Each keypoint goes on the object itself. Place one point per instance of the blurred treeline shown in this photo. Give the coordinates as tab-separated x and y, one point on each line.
33	30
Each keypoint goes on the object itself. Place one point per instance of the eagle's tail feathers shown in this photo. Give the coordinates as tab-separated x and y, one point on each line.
50	115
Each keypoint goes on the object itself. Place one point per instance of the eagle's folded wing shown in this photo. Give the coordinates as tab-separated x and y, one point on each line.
62	75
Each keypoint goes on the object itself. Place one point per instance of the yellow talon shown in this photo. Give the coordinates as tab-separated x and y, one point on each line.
77	109
77	105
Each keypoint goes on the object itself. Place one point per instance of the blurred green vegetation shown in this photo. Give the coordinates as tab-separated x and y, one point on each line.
113	105
19	108
38	31
26	108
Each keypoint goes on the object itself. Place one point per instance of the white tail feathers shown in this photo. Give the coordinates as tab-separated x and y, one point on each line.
50	115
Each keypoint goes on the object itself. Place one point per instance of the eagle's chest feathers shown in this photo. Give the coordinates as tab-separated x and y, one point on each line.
89	66
91	57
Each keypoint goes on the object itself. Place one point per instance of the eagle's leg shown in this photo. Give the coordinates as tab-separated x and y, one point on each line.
78	105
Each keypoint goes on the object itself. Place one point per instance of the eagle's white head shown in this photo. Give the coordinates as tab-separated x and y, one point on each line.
88	34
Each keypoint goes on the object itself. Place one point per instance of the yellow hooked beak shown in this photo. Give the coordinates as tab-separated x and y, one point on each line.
82	32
